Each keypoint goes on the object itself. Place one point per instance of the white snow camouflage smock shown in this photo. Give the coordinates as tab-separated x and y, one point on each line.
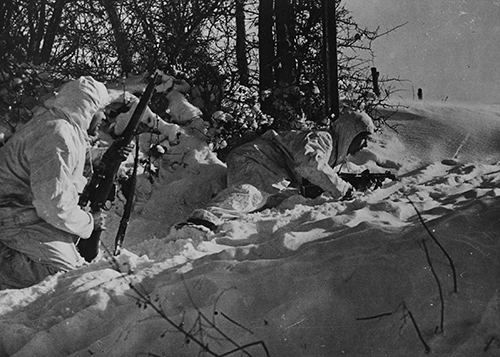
167	131
41	176
255	170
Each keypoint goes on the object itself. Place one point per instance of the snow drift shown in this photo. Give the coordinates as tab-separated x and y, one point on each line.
312	277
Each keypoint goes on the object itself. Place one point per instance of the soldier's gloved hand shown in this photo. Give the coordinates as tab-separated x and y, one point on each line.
125	151
118	152
99	220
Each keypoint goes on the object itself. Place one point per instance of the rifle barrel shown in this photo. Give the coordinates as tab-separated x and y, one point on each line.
103	180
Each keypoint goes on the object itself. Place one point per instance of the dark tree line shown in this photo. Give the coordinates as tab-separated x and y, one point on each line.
272	47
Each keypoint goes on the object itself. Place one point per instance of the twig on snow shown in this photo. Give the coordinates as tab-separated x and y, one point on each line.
427	348
490	343
406	312
450	260
438	283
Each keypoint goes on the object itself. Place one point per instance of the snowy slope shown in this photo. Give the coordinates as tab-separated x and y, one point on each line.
312	277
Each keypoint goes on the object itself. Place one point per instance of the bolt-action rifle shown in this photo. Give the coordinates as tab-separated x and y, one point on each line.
100	188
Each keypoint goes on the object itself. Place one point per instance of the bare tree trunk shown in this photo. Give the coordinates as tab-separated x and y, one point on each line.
152	45
52	29
266	44
41	26
121	40
241	34
375	76
285	35
37	32
332	105
32	20
5	15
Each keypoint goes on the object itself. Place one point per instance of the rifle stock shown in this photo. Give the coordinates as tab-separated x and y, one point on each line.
127	209
101	185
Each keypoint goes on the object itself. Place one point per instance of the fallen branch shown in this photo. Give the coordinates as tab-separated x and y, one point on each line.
450	260
415	325
235	322
406	312
143	300
438	283
375	316
246	346
490	343
211	324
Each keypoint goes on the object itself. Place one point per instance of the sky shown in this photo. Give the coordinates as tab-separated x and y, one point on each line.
449	48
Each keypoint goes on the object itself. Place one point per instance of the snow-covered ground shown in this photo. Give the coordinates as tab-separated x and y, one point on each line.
312	277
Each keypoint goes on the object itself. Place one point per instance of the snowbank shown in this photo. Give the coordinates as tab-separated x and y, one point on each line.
312	277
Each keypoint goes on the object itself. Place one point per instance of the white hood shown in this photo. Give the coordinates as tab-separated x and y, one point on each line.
79	100
344	130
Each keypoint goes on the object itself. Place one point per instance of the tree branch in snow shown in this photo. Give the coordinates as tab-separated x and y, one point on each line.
490	343
450	260
438	283
202	323
414	322
383	314
211	324
406	312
